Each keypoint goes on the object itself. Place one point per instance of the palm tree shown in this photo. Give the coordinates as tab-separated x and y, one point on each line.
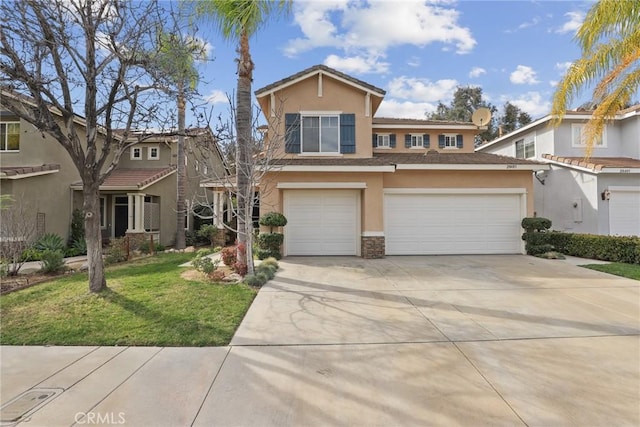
175	57
610	41
238	20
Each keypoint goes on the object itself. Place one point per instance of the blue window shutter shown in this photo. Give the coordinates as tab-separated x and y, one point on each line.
375	140
407	141
459	141
347	133
425	140
392	140
441	141
291	133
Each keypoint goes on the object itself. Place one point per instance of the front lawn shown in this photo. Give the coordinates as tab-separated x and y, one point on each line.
631	271
148	303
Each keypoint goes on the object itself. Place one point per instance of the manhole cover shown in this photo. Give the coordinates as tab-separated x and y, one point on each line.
26	403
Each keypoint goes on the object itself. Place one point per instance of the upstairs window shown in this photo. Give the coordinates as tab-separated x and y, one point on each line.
321	134
416	141
10	136
578	137
136	153
450	141
153	153
525	148
383	141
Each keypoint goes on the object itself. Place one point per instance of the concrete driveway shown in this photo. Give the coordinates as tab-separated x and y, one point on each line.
466	340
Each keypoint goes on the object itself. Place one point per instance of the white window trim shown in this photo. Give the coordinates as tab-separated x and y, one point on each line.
388	135
319	115
103	213
150	150
417	147
7	134
450	137
527	141
581	145
132	156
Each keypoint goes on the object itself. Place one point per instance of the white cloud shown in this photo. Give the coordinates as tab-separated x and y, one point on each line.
414	61
477	72
532	103
405	110
217	97
553	83
370	28
357	64
563	66
574	21
523	75
421	90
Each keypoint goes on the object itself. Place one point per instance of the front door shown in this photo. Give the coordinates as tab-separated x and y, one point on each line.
120	216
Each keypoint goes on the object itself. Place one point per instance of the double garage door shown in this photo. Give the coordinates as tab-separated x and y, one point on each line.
327	222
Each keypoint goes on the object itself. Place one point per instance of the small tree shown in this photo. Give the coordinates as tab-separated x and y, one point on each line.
17	232
269	243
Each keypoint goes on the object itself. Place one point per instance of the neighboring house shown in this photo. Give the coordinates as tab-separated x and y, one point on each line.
598	195
350	183
138	197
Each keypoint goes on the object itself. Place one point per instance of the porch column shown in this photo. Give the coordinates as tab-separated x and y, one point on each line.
139	212
218	208
229	208
130	225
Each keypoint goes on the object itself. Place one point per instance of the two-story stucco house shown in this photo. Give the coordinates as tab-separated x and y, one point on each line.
138	197
351	183
598	195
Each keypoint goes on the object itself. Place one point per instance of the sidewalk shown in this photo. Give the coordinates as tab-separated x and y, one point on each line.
33	266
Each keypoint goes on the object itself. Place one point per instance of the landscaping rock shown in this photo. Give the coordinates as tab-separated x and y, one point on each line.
233	278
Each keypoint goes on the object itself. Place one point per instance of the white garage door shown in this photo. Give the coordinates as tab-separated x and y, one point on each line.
440	224
321	222
624	212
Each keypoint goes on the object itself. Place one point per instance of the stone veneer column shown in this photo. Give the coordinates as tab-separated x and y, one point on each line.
372	247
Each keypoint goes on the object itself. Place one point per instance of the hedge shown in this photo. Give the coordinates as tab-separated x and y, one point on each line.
605	248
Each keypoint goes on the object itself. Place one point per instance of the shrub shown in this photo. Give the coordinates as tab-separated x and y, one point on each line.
31	254
273	219
77	227
269	245
255	280
229	255
532	224
624	249
145	247
49	242
52	261
116	251
203	263
267	270
79	247
272	262
208	232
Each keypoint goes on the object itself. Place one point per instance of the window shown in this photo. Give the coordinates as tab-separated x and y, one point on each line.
578	136
525	148
383	141
416	141
450	141
103	212
153	153
10	136
136	153
320	134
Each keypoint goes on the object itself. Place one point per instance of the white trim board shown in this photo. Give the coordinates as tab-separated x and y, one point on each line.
479	190
321	185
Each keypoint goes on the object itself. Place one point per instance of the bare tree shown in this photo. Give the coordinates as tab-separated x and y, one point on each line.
262	159
17	232
83	61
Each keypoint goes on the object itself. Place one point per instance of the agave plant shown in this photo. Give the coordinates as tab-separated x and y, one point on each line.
49	242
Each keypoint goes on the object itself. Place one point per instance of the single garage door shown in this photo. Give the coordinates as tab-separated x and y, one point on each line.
624	212
321	222
440	224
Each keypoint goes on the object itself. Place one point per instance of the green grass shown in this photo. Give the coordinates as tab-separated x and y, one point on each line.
147	304
631	271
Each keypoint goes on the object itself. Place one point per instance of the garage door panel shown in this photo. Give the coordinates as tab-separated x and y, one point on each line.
624	213
431	224
321	222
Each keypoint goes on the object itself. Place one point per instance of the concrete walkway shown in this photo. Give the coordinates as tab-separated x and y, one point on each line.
424	341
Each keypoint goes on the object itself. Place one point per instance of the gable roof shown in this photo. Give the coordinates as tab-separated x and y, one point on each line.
19	172
132	179
319	69
597	164
401	123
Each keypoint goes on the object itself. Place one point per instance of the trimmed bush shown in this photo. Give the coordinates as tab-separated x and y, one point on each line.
535	235
532	224
52	261
254	280
273	219
624	249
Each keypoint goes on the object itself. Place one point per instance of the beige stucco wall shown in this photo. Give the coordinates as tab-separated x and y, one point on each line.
303	96
467	138
372	197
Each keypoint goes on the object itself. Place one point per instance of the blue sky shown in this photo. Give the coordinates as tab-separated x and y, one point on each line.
418	51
